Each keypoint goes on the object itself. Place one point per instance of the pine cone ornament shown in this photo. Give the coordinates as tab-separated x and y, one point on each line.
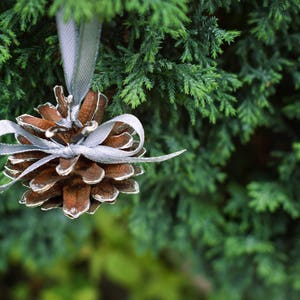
68	160
76	184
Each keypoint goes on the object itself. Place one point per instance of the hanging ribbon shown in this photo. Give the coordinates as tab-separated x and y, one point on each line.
79	49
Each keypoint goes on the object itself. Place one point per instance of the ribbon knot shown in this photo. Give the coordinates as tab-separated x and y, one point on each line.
69	151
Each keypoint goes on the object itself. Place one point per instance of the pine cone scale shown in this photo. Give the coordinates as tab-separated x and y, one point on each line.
128	186
55	202
101	103
61	101
88	108
31	198
49	112
138	170
25	156
119	171
121	127
37	124
44	180
123	140
94	205
66	166
92	174
76	198
105	192
18	167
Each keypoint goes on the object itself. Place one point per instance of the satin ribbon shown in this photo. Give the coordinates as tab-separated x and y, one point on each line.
90	147
79	49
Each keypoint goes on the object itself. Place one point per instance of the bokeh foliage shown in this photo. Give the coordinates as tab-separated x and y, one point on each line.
103	266
220	78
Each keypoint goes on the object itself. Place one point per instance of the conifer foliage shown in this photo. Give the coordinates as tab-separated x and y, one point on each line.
219	78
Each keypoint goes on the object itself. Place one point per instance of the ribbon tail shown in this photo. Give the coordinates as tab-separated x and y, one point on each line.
106	159
67	34
7	149
157	158
87	51
31	168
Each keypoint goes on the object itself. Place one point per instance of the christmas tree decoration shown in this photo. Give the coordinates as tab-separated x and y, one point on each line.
75	167
66	158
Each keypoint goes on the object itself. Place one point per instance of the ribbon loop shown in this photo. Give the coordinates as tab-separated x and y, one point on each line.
79	48
7	127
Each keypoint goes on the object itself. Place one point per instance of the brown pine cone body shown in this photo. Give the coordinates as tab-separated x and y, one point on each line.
77	184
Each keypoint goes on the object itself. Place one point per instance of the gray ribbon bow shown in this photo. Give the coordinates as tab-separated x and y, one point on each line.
90	147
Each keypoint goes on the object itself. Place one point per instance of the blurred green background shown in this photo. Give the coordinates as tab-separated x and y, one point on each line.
220	78
89	258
